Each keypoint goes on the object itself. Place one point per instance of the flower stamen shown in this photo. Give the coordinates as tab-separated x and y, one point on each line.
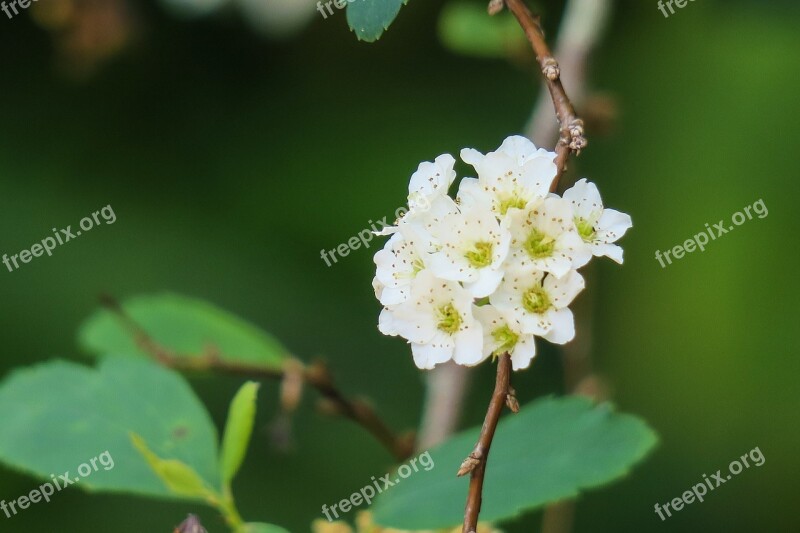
539	245
535	300
481	254
449	318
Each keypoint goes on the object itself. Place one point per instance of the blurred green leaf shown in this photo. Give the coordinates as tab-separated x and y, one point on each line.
238	429
466	28
261	528
179	477
59	415
186	326
550	450
370	18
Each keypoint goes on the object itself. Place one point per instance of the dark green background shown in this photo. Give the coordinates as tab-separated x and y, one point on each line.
231	161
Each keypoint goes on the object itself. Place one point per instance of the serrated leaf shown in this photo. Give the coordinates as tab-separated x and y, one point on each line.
370	18
466	28
179	477
238	429
186	326
551	450
59	415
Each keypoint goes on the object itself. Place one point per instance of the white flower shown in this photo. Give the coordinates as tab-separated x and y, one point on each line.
544	237
503	335
472	248
508	240
378	287
430	183
513	176
428	201
539	303
437	320
598	227
398	263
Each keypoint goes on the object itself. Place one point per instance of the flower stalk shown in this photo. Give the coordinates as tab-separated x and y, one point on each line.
475	463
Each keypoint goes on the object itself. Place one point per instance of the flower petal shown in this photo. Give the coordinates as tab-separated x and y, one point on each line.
613	225
426	356
469	346
487	283
563	329
562	291
585	198
523	352
612	251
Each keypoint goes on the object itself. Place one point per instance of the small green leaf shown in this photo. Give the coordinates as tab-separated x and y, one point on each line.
551	450
370	18
176	475
466	28
238	429
187	327
89	411
259	527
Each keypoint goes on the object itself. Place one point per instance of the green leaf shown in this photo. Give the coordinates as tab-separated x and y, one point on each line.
179	477
370	18
186	326
551	450
238	429
58	416
466	28
254	527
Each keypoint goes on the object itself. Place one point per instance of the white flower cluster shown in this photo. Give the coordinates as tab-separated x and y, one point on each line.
488	272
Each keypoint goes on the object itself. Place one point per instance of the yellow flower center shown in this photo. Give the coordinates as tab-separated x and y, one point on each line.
535	300
505	339
538	245
449	318
585	229
511	201
481	254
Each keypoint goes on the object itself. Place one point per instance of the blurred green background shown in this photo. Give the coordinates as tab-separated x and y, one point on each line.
231	159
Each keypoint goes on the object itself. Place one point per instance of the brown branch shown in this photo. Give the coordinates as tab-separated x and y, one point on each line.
293	373
582	25
475	463
571	127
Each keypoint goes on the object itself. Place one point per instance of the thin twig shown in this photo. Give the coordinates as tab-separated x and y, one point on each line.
571	140
475	463
582	26
571	127
317	375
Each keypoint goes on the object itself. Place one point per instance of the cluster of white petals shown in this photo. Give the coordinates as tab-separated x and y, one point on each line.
486	273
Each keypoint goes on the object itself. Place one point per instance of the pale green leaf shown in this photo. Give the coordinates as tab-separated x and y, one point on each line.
187	327
370	18
180	478
551	450
238	428
58	416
